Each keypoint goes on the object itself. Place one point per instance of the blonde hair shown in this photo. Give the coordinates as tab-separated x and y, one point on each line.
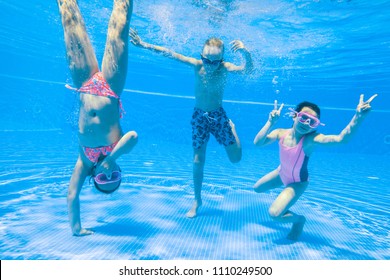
215	42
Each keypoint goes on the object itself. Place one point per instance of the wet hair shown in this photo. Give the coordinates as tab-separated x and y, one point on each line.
106	191
215	42
310	105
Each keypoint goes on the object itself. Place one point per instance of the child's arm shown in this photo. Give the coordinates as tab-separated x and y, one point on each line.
247	67
136	41
361	112
263	137
124	146
79	174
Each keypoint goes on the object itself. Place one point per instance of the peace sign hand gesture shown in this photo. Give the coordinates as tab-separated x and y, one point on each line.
275	113
364	106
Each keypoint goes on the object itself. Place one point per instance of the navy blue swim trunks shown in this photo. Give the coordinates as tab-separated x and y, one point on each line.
215	122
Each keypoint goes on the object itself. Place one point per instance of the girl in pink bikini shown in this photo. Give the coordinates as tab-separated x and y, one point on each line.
295	147
101	138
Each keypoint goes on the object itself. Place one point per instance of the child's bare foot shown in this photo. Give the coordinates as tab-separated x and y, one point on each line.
83	232
296	229
194	210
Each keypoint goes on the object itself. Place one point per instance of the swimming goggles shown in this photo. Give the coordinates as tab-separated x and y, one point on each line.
307	118
210	62
102	179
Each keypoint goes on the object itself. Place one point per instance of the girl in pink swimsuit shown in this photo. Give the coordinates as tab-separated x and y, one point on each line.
293	162
295	147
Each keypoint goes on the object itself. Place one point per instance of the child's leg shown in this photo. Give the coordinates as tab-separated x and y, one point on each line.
198	167
267	182
279	208
114	66
80	54
234	151
124	145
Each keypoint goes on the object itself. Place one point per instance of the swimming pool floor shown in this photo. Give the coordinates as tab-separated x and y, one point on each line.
147	223
145	219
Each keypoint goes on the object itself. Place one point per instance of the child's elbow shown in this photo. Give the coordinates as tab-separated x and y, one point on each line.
258	142
71	197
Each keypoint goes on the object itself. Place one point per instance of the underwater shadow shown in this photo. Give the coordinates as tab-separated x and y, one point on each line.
342	253
210	212
320	242
126	228
317	241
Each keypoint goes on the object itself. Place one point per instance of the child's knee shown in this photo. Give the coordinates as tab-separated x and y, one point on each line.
199	158
198	161
274	212
236	158
134	136
131	137
235	155
257	189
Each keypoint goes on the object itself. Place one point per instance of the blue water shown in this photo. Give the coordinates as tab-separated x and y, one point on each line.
327	52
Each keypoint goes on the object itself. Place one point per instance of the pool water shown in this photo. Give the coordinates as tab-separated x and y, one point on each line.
347	215
327	52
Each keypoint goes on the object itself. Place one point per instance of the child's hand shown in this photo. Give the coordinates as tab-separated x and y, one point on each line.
135	38
106	167
237	45
275	113
364	106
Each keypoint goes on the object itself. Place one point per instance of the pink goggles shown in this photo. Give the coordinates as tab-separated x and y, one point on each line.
102	179
307	118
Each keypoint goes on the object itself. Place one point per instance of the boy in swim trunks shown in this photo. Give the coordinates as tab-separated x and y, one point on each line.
101	138
208	116
295	147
